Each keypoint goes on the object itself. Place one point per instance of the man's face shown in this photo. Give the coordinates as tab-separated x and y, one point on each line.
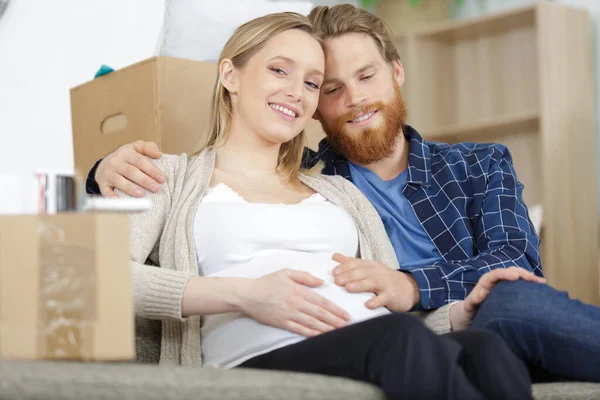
361	108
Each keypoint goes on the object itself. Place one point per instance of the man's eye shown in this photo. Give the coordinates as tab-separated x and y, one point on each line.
331	91
364	78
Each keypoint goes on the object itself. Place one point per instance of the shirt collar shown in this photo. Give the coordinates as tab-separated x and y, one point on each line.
419	158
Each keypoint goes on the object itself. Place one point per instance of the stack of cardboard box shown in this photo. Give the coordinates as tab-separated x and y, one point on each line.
163	99
65	287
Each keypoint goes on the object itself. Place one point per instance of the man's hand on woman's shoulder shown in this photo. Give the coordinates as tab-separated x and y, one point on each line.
129	170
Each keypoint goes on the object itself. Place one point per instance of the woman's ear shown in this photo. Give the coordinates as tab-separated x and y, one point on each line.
227	75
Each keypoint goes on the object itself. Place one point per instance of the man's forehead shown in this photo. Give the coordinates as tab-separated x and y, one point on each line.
350	43
349	54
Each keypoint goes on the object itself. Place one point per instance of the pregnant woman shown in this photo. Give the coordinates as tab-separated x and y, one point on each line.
235	258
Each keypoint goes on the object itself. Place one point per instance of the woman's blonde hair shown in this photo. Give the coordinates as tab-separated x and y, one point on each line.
246	41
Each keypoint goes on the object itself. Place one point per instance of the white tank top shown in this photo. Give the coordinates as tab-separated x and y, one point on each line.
235	238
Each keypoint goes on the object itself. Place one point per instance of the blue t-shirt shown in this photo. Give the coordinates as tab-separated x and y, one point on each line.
412	245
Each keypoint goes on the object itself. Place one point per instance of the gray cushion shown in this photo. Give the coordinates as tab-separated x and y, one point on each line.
567	390
147	340
89	381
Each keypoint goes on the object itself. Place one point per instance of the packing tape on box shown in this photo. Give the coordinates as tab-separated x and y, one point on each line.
67	300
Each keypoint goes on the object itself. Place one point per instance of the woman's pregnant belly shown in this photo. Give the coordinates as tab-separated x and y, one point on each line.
232	338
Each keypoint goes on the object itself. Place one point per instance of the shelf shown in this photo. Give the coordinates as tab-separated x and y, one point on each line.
516	122
513	78
486	25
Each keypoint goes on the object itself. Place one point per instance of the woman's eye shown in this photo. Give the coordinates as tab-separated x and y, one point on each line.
278	71
312	85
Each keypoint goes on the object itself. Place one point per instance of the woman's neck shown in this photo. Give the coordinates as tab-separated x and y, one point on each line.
247	153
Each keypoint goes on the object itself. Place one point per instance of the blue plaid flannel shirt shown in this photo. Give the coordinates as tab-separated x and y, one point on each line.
469	201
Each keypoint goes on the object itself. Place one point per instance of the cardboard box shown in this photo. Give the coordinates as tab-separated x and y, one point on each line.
65	287
163	99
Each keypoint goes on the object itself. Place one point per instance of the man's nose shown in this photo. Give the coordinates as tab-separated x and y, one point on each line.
354	97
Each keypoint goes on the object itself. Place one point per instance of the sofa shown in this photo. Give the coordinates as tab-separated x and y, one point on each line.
144	379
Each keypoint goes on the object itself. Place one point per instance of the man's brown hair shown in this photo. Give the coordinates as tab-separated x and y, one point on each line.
335	21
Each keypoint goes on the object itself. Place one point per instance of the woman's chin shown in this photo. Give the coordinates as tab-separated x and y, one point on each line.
281	137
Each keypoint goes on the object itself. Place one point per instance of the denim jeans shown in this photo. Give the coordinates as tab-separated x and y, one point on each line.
557	337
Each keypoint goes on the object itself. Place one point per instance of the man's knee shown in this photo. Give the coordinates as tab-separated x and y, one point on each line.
513	290
516	301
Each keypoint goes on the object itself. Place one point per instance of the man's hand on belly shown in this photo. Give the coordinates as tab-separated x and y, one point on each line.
395	290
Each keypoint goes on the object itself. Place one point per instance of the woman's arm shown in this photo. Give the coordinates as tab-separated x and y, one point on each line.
204	296
281	299
157	292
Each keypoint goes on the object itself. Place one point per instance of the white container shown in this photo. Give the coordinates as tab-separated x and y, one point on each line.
42	192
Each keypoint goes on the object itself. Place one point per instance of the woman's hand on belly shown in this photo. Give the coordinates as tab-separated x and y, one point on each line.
283	299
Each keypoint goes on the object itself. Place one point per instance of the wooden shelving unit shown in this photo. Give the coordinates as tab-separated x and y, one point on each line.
522	78
486	127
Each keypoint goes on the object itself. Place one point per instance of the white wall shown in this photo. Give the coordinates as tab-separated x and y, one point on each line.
47	47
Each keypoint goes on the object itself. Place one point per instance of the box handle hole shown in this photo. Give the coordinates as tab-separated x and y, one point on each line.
113	124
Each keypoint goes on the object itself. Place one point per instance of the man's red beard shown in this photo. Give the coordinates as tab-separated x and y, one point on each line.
371	144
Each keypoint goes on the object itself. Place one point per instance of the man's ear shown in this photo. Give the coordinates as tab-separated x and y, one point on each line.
398	71
227	75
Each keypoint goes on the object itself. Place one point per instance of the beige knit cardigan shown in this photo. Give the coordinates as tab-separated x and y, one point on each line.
164	255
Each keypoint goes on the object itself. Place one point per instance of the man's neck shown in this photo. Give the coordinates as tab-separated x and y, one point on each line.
389	168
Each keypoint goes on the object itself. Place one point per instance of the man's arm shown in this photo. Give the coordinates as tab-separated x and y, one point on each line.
127	169
309	158
504	237
91	186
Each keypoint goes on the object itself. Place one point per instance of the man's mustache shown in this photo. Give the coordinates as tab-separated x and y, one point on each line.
360	110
